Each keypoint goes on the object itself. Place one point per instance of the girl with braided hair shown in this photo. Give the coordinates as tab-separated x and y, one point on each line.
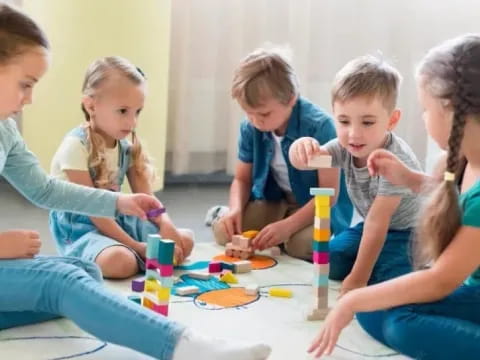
423	313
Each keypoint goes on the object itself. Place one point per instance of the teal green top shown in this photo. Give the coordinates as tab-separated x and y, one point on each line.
20	168
470	203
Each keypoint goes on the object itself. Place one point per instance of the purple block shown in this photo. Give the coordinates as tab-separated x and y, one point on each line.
155	212
215	267
166	270
321	257
138	284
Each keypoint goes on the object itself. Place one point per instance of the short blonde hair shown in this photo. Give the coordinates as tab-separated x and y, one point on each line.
368	76
262	74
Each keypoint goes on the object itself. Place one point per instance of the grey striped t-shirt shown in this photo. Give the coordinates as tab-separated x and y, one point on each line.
362	188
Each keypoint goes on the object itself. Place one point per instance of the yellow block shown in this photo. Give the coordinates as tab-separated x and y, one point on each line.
321	234
250	234
152	285
163	294
279	292
229	278
322	200
322	212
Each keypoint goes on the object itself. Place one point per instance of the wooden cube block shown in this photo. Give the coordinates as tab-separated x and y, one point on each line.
138	284
318	314
320	162
215	267
241	267
275	251
251	289
166	270
199	275
186	290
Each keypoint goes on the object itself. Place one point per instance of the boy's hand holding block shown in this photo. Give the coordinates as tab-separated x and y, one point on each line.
320	161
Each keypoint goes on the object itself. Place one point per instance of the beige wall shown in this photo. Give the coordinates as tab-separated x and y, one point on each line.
80	32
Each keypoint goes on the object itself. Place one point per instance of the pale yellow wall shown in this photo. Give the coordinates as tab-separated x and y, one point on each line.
81	31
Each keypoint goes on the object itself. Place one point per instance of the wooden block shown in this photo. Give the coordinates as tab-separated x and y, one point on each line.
166	249
187	290
199	275
161	309
251	289
321	269
147	303
320	302
228	278
322	191
215	267
322	201
153	241
322	212
321	223
321	234
153	274
320	246
151	285
320	291
321	281
227	266
241	267
320	162
250	233
275	251
135	298
163	294
152	264
241	242
153	298
318	314
138	284
167	281
279	292
321	257
166	270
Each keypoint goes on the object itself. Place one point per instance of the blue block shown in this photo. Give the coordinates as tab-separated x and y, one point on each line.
167	282
166	249
320	246
135	298
321	281
227	266
152	275
322	191
153	242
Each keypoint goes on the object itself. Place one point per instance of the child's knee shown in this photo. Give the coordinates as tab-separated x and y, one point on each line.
219	233
299	248
117	262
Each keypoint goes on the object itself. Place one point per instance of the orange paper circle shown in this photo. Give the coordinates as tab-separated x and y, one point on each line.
226	298
259	262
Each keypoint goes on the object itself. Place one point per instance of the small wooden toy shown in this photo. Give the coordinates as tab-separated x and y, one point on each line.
215	267
199	275
320	161
187	290
279	292
251	289
241	267
228	278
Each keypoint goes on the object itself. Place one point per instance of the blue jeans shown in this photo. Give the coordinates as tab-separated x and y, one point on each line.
446	329
43	288
393	260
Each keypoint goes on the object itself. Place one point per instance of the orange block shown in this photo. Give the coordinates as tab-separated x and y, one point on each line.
321	234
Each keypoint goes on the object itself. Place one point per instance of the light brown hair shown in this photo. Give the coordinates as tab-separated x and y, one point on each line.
449	72
18	33
264	74
368	76
97	74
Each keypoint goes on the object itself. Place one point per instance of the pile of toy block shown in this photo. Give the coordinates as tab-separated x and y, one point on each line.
241	245
158	281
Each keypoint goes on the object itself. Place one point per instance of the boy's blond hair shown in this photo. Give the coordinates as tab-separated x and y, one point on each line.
368	76
264	74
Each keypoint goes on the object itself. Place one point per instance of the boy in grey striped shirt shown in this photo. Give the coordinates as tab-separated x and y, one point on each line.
364	99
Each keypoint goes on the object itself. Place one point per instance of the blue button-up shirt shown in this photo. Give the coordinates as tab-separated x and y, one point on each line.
257	147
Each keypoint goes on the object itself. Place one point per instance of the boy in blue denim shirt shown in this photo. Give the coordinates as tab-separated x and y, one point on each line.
268	194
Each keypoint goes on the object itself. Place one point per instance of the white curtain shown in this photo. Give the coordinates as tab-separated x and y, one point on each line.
209	37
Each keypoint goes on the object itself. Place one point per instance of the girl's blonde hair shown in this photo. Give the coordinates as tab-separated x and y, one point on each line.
450	73
97	74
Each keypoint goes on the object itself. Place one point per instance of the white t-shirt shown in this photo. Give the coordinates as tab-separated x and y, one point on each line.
73	155
279	165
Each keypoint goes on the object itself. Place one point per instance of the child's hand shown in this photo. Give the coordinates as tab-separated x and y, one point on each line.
178	255
302	150
137	204
271	235
351	283
232	222
19	244
141	249
385	164
336	321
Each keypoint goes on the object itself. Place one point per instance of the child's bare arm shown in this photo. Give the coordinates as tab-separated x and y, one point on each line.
108	227
373	237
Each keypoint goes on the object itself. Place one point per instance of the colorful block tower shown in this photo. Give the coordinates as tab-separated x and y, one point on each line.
321	258
159	274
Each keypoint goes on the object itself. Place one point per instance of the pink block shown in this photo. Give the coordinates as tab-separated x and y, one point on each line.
161	309
152	264
321	257
166	270
215	267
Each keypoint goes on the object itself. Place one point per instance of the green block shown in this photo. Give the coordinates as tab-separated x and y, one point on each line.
135	298
166	249
322	191
320	246
321	281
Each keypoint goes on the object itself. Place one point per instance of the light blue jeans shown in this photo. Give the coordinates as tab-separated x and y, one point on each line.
44	288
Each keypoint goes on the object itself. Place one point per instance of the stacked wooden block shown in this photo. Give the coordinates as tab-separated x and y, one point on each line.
321	258
158	280
240	247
